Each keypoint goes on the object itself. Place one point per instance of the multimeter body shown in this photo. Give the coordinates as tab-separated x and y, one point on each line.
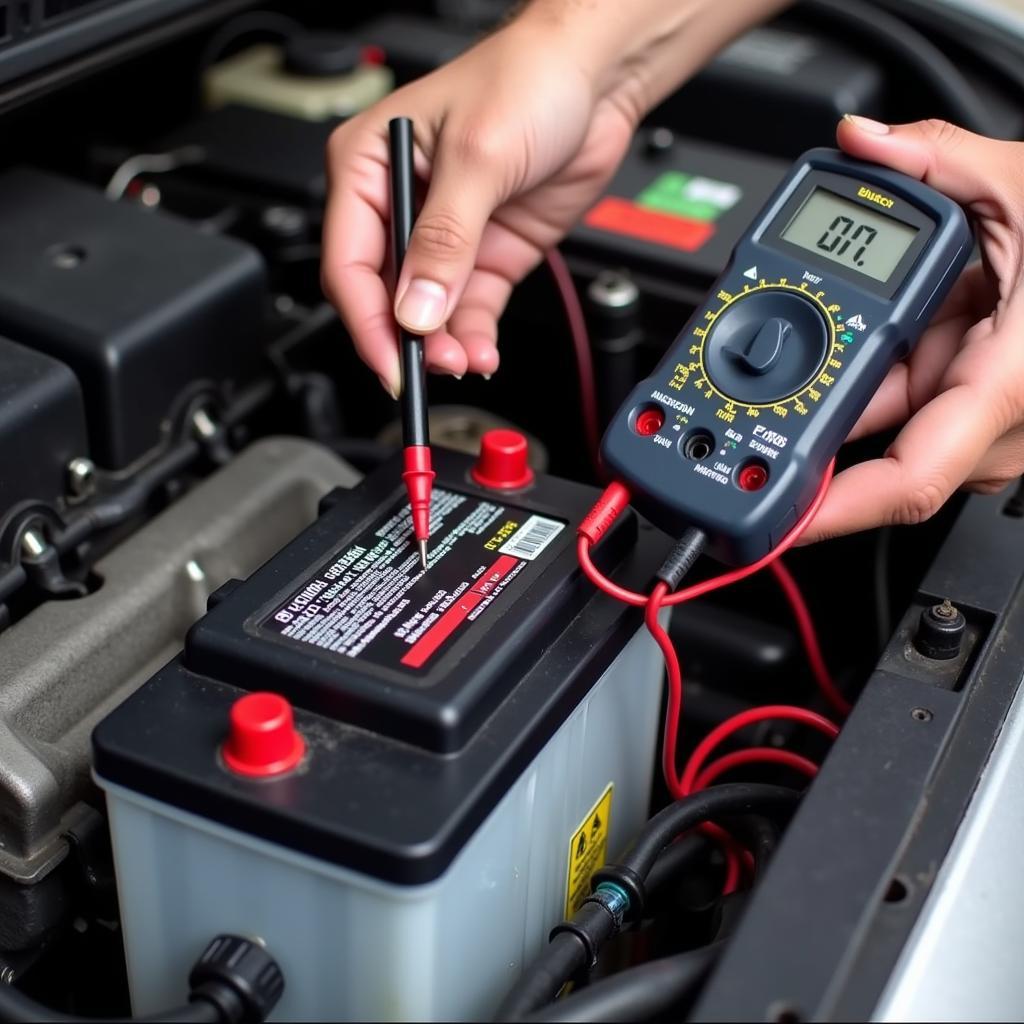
834	282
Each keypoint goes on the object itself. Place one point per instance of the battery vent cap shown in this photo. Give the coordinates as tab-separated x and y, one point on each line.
262	739
503	462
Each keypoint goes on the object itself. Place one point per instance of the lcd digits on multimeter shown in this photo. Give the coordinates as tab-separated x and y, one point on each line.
832	284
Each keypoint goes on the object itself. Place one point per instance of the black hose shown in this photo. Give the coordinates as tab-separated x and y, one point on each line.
758	834
734	798
676	859
639	993
991	44
619	893
921	57
16	1006
564	957
234	980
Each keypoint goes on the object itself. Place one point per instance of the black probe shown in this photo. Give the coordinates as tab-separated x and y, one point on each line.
418	474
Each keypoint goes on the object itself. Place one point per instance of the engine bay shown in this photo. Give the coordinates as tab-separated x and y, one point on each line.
194	463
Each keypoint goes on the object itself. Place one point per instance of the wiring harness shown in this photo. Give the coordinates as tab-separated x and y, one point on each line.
698	773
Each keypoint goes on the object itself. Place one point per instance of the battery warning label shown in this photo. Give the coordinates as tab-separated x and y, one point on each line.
588	849
374	601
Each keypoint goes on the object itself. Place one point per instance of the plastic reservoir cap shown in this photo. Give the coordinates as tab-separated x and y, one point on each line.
503	462
262	739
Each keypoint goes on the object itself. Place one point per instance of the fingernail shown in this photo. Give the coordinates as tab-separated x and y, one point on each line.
389	388
487	376
422	306
444	371
866	124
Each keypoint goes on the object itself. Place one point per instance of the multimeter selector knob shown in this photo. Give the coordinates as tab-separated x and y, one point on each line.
766	346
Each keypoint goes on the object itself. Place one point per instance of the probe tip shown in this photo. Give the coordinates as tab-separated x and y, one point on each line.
422	545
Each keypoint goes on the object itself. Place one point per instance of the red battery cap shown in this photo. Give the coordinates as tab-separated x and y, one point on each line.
503	463
262	739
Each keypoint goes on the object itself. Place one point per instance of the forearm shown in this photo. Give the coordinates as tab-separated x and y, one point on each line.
643	49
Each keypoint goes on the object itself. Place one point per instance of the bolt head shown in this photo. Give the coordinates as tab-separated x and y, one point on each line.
81	477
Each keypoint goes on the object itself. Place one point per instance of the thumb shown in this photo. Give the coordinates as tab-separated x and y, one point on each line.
445	239
964	166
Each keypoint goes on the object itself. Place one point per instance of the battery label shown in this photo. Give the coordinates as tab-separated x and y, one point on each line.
373	601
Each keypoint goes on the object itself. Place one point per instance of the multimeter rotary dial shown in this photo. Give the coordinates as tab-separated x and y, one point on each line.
766	345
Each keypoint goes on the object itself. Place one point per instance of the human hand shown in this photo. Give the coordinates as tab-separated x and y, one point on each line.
516	144
516	137
959	396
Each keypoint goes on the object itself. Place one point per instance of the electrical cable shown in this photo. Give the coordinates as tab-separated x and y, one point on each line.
922	58
883	606
980	31
594	526
675	860
251	23
619	894
729	799
16	1006
234	981
151	163
809	636
612	502
639	993
754	755
768	713
581	345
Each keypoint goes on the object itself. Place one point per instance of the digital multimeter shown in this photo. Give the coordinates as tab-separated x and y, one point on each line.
832	284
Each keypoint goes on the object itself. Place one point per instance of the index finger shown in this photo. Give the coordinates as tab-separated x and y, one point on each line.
354	250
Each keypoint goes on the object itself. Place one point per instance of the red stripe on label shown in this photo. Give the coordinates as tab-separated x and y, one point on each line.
626	218
428	644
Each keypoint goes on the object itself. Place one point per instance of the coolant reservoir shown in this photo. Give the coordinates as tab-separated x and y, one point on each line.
398	780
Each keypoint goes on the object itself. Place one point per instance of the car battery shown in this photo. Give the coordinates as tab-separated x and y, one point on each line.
398	779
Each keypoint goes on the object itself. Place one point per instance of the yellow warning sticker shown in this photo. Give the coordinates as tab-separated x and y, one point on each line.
588	849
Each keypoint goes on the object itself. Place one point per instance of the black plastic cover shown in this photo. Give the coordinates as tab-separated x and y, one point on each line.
277	156
142	307
40	400
402	766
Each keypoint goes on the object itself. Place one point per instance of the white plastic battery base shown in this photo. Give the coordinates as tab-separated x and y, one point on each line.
354	948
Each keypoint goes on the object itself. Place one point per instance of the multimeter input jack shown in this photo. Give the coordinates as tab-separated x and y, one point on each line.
698	445
648	420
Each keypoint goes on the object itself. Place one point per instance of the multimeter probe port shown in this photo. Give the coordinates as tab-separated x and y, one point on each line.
698	445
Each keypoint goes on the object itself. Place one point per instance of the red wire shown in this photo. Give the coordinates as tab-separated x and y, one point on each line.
754	755
602	582
693	777
805	624
581	344
732	725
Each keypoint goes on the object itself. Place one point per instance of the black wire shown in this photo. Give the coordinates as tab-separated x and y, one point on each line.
990	44
639	993
16	1006
734	798
262	22
564	957
758	834
883	606
676	859
922	57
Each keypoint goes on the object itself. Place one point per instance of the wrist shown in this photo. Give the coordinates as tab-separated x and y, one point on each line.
644	49
605	37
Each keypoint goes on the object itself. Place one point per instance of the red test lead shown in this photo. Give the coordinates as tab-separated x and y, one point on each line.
418	475
419	480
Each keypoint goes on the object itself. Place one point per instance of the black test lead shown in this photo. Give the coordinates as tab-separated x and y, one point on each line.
418	475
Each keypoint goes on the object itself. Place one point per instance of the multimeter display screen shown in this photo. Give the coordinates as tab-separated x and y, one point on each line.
845	232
